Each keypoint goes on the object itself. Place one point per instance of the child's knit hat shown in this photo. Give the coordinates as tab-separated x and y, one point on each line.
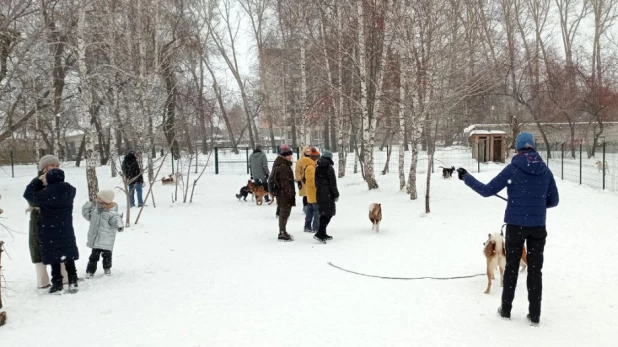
106	195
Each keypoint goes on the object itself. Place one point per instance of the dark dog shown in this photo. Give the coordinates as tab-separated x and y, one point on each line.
446	172
246	190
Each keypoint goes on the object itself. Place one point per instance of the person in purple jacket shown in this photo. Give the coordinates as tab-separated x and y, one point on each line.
531	190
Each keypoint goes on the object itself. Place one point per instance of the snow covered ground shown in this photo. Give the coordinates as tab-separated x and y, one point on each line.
212	273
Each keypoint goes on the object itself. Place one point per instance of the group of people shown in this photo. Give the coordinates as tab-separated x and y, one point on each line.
530	185
314	175
51	235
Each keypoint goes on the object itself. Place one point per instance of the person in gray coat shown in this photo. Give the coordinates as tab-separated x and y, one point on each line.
104	223
258	163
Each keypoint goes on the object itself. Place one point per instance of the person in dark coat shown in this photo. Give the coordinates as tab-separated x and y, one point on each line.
326	192
133	174
58	243
46	163
531	190
281	185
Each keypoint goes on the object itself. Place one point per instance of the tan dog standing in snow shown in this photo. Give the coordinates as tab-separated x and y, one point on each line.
375	216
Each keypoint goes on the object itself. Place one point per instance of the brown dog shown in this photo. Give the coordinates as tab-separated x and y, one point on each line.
168	180
375	216
260	193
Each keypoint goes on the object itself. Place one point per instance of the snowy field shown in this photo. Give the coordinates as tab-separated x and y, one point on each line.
213	274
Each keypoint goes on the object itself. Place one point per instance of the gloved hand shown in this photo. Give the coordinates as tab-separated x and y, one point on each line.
251	178
336	199
461	172
300	185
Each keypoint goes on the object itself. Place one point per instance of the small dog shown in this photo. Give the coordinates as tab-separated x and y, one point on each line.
260	193
447	172
600	166
375	216
171	179
495	254
168	180
246	190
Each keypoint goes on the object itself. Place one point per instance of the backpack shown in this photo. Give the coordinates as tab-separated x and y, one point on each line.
273	184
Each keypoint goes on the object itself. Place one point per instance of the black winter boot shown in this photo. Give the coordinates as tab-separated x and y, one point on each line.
534	321
56	289
504	314
284	236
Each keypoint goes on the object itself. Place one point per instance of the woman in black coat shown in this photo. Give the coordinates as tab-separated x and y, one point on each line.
58	243
327	193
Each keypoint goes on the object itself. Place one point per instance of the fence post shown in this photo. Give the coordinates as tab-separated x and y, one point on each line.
603	165
247	155
216	160
478	156
580	163
12	168
562	164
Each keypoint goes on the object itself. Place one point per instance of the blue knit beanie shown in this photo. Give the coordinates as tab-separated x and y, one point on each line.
327	154
54	176
524	140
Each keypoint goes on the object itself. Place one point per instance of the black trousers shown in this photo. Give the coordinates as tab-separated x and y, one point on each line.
534	237
324	220
94	259
304	201
57	274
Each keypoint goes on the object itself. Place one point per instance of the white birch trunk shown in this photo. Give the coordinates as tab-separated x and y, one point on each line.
367	158
37	145
341	147
55	137
113	151
411	187
305	132
369	125
402	125
85	101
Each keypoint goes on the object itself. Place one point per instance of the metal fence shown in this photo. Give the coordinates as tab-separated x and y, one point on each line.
577	164
228	162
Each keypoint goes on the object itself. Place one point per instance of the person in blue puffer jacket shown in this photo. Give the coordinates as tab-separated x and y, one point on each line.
531	190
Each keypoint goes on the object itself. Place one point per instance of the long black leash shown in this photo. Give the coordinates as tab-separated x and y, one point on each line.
405	278
501	197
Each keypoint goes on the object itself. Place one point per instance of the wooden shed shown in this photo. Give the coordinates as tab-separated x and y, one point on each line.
488	145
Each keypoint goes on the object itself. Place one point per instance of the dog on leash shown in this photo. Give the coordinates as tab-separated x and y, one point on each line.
601	165
495	255
447	172
375	216
246	190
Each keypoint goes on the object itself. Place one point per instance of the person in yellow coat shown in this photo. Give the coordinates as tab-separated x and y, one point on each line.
299	173
312	214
